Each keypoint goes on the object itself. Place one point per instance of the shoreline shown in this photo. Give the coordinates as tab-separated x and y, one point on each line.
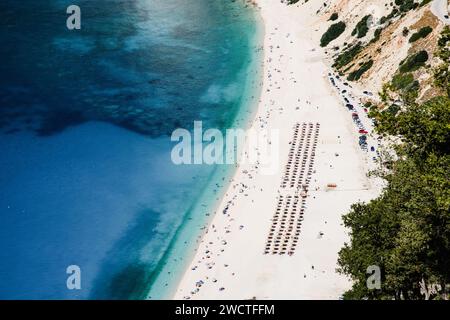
179	254
230	262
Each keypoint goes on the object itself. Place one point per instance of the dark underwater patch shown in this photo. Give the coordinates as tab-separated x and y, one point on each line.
126	275
58	121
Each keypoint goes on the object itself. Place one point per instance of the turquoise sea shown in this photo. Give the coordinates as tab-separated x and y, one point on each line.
86	115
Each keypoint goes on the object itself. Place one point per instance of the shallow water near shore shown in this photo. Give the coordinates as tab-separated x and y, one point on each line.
85	118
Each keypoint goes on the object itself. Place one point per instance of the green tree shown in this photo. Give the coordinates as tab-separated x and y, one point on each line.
334	31
406	230
423	128
334	16
362	27
414	62
442	71
422	33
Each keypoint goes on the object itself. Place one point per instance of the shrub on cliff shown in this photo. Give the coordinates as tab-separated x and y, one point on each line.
333	17
422	33
334	31
414	62
347	56
362	27
356	75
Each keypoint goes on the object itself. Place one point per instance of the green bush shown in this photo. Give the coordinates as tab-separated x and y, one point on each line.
401	81
442	77
334	31
406	5
393	13
414	62
356	75
376	35
393	109
441	72
347	56
405	31
333	17
361	27
422	33
407	87
424	2
443	44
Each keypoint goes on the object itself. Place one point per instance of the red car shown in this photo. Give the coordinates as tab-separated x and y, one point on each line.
362	131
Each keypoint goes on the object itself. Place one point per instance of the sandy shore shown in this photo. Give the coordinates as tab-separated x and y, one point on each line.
230	262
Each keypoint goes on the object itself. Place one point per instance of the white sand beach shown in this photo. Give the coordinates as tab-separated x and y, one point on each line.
230	262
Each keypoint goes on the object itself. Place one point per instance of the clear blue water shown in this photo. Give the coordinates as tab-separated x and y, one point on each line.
85	119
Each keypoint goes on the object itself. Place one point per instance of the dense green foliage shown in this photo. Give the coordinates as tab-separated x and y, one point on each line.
443	44
346	56
406	5
362	27
402	7
356	75
334	16
334	31
422	33
442	72
402	81
424	2
405	85
414	62
431	124
406	230
391	15
442	77
376	35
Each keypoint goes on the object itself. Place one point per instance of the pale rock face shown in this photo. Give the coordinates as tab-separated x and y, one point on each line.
392	46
